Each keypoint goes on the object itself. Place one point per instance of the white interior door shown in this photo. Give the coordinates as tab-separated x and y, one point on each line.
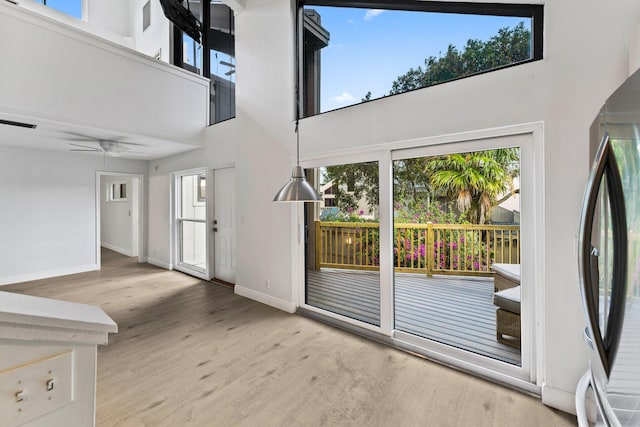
191	231
224	224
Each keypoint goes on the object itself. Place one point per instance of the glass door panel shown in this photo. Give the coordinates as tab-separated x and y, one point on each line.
193	244
456	242
343	243
191	224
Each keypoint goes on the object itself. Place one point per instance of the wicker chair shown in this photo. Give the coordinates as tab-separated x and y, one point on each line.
508	316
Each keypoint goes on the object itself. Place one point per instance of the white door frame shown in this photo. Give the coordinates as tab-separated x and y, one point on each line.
204	274
136	205
529	378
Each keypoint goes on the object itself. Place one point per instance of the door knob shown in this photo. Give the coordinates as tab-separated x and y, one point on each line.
215	229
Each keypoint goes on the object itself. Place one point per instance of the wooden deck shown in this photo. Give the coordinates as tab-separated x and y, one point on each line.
452	310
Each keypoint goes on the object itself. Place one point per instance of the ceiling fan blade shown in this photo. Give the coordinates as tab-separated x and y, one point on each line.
80	135
127	143
228	64
137	154
84	146
81	139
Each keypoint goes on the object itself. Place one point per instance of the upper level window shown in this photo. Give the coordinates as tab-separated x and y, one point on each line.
214	57
70	7
358	51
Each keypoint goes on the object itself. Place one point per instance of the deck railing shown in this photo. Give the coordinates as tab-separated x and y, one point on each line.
462	249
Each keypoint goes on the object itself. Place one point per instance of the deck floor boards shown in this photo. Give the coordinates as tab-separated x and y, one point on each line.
453	310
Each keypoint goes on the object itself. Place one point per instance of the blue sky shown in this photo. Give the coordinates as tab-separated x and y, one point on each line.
369	49
70	7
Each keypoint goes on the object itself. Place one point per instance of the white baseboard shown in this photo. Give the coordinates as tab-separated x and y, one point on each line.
160	263
116	249
559	399
46	274
278	303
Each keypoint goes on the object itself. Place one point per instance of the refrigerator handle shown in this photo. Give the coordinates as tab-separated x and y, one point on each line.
605	344
620	246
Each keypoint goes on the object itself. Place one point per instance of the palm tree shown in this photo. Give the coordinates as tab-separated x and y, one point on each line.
474	180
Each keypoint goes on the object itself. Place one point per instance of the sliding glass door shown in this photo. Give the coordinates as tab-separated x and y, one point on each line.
457	220
433	246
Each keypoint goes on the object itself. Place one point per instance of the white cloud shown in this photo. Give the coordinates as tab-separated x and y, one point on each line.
344	98
372	13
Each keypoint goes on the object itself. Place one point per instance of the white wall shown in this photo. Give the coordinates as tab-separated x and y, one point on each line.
111	15
48	211
116	226
155	39
585	58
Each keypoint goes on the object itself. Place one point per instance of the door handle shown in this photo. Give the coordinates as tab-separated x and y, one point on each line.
215	229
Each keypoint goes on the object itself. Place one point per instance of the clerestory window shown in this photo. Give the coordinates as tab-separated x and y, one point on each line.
70	7
357	51
214	57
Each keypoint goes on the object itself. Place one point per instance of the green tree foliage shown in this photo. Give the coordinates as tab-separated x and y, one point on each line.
509	46
463	186
474	180
353	182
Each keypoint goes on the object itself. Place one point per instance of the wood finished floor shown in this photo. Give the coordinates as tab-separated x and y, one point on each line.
191	353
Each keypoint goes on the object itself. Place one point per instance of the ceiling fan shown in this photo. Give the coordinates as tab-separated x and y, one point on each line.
115	147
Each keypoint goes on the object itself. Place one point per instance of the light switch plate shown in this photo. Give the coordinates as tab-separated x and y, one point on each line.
31	381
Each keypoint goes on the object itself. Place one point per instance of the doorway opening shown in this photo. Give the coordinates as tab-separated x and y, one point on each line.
119	207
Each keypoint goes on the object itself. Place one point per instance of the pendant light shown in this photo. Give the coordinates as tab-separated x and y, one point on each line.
298	188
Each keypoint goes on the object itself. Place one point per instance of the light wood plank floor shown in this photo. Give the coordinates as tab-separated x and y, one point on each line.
191	353
453	310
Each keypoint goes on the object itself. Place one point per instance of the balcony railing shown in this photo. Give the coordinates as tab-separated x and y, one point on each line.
461	249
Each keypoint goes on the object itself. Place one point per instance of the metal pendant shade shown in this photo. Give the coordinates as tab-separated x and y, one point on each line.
297	189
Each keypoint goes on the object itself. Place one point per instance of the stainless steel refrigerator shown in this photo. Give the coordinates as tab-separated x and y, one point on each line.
609	261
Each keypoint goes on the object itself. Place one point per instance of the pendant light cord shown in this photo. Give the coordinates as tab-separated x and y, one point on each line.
297	144
297	84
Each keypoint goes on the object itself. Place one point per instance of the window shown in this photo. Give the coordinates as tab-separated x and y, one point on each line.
146	15
358	51
202	188
214	58
117	192
70	7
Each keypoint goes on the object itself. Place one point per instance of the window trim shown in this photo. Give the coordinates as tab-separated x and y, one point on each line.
535	11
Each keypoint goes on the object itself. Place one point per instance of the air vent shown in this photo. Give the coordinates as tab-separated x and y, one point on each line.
19	124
